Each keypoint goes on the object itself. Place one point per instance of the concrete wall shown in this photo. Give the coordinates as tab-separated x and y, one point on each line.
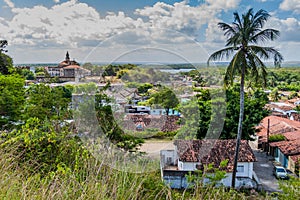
176	182
179	181
246	169
190	166
281	158
167	157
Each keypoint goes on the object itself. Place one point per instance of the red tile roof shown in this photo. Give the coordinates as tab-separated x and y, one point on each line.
295	135
277	125
296	158
72	67
288	148
281	106
213	151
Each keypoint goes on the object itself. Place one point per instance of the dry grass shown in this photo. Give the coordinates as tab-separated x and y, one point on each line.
95	181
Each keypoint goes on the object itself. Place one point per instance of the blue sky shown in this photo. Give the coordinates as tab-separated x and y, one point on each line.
134	30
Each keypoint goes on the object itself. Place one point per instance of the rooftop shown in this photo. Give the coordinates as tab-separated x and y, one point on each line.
277	125
288	147
213	151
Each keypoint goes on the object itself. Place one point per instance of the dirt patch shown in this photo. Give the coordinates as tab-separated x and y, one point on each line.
153	147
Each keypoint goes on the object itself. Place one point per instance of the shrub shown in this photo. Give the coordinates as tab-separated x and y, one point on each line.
276	138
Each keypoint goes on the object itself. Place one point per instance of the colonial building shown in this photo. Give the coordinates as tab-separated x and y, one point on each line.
68	70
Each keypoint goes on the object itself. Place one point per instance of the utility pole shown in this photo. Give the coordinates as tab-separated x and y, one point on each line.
268	135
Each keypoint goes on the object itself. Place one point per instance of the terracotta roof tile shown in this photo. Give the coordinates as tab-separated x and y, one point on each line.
288	147
213	151
295	135
296	158
282	106
72	67
278	125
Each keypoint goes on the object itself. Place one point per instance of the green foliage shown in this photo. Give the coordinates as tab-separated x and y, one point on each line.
145	76
285	79
165	97
275	95
111	128
112	70
44	147
276	138
92	114
198	115
143	88
12	97
210	176
6	63
29	75
290	189
254	112
39	70
163	135
196	76
45	102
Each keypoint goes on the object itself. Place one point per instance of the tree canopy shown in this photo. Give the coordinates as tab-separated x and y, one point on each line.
6	62
246	56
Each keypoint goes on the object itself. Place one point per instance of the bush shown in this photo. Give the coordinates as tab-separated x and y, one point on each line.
276	138
42	148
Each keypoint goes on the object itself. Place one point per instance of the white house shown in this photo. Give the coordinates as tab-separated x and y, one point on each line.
191	155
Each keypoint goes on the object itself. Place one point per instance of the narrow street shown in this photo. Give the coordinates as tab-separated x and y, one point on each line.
264	170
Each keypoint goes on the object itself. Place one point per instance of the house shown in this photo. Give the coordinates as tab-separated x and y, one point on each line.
282	109
191	155
287	153
272	125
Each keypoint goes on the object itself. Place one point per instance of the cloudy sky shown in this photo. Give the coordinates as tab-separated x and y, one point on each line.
41	31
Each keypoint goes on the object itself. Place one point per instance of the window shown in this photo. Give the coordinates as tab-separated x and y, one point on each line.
240	168
169	160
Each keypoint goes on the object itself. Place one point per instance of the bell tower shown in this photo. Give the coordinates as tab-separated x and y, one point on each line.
67	57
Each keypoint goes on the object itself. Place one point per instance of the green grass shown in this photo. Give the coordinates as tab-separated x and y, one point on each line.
96	180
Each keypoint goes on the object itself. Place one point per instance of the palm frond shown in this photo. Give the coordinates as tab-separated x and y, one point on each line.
234	67
257	68
260	18
229	30
267	53
221	54
265	35
237	18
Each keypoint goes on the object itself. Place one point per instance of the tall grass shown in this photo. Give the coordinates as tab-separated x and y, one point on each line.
95	180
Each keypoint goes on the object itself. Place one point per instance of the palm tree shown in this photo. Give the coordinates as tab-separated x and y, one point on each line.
246	56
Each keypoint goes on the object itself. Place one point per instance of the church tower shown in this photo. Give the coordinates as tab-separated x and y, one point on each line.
67	57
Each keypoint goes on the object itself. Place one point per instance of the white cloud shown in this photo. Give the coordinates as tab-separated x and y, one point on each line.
290	5
56	1
213	32
77	25
71	22
289	28
223	5
9	3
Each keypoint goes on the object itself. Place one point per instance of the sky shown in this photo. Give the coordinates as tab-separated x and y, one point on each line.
169	31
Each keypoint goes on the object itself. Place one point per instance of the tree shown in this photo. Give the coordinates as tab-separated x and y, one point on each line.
275	95
166	98
242	36
44	102
253	113
11	98
6	62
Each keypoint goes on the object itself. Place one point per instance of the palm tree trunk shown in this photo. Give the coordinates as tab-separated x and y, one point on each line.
241	116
